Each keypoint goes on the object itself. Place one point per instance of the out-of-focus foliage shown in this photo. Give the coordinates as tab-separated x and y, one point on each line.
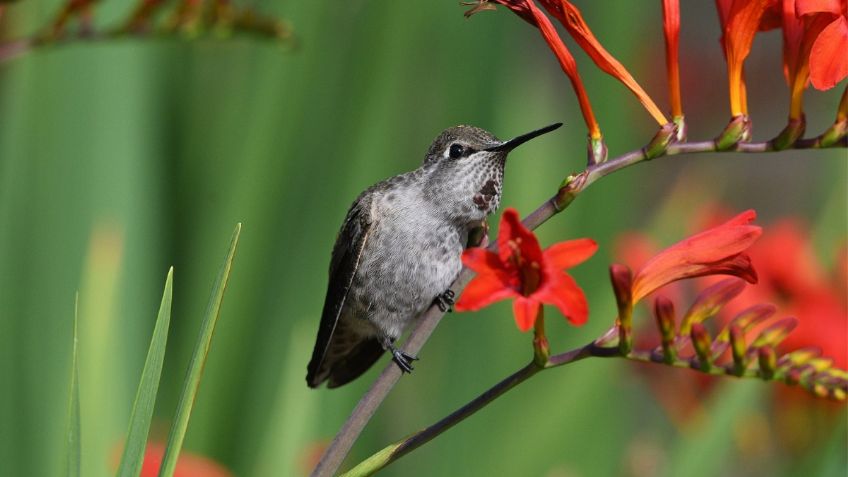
118	159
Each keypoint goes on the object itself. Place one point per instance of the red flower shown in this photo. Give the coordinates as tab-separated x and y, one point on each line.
188	465
671	30
828	61
740	20
801	287
717	251
569	16
521	270
528	11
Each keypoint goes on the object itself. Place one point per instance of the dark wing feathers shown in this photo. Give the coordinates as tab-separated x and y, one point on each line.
356	362
343	265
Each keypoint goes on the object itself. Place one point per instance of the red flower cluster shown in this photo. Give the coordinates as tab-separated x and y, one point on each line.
523	271
815	39
571	19
796	282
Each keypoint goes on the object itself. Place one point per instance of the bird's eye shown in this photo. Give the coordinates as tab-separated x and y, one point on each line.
456	151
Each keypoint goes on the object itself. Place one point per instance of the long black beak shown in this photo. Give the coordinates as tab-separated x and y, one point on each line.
519	140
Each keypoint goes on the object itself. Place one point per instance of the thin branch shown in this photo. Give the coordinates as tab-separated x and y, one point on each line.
399	449
427	322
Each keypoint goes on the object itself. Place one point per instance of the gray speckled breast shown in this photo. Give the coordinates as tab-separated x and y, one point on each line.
412	256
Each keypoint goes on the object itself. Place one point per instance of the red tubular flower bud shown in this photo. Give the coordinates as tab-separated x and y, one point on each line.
664	312
775	333
701	341
738	349
711	301
622	284
768	361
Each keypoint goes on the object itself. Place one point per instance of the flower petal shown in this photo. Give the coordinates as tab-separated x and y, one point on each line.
570	253
512	235
481	260
564	293
572	20
671	30
828	58
714	251
483	290
568	65
742	23
525	310
806	7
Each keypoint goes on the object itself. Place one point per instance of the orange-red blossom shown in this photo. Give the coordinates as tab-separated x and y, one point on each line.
521	270
740	20
570	17
717	251
828	54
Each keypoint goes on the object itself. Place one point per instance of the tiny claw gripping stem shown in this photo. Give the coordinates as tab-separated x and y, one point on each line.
403	360
446	300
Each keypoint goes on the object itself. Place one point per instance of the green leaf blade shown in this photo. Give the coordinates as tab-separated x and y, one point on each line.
191	383
148	387
72	441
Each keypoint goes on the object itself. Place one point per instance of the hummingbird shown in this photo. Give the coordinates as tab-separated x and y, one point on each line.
400	248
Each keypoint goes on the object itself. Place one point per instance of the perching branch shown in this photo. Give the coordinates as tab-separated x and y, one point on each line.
691	347
571	188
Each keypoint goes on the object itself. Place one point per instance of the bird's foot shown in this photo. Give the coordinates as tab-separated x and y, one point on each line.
403	360
446	300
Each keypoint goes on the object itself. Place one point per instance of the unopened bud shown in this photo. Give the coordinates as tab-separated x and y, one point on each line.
793	377
775	333
738	348
711	301
664	312
622	284
768	361
701	342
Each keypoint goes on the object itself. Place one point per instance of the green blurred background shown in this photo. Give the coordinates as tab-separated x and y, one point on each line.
121	158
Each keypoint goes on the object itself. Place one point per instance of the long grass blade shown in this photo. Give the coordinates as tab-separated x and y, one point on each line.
148	387
198	360
72	441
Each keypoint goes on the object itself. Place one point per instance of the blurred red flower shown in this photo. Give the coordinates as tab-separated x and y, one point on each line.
790	275
523	271
188	465
800	286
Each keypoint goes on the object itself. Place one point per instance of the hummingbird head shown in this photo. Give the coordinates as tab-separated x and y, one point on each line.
465	167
